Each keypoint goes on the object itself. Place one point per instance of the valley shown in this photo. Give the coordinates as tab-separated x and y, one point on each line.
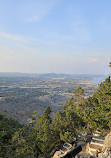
20	96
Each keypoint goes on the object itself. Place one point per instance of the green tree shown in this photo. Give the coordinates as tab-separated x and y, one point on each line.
25	140
67	123
79	91
110	64
44	132
7	128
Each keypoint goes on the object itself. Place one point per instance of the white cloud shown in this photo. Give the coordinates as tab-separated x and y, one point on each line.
13	37
22	40
42	58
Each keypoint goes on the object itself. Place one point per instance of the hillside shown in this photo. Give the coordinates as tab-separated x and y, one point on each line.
77	115
24	95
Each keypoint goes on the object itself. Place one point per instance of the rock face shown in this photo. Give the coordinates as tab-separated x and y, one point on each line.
107	145
107	142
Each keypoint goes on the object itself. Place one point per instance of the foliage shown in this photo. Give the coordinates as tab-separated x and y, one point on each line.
34	139
26	144
7	129
95	111
110	64
66	125
44	132
79	91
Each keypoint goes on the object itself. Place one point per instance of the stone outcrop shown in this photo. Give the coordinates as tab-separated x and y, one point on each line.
107	142
106	150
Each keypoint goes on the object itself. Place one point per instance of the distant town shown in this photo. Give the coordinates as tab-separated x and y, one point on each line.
22	94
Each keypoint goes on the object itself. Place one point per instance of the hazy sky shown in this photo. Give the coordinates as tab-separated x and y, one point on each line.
61	36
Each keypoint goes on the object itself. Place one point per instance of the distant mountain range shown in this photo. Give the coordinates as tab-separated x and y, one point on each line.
96	78
14	74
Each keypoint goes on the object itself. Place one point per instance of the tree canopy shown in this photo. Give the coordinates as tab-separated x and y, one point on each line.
79	91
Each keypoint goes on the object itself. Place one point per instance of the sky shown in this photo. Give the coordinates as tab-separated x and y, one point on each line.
55	36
